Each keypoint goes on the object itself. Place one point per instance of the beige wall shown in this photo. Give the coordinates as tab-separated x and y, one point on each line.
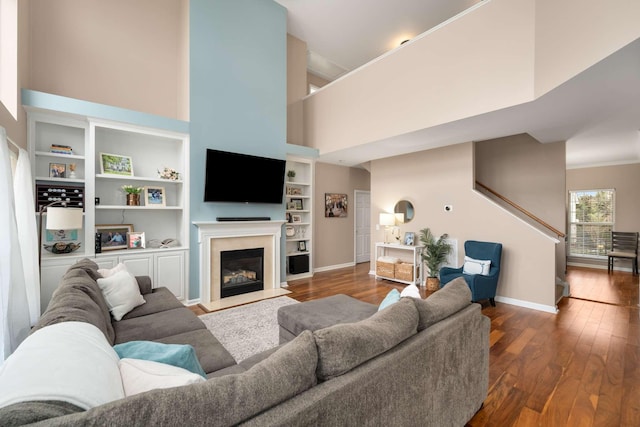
624	179
296	88
532	175
572	35
462	69
334	237
129	54
433	178
17	129
316	81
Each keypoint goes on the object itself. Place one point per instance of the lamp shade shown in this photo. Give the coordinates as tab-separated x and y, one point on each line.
64	218
387	219
399	218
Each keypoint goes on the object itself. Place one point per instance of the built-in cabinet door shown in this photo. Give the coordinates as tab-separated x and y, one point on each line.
170	273
51	273
106	263
138	265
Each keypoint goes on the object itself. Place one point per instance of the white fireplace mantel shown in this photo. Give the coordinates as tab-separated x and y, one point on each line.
209	230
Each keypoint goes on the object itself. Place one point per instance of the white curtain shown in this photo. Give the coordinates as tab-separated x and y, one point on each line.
14	308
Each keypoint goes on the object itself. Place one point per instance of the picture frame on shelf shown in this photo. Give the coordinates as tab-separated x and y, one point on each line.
57	170
296	218
302	246
297	203
294	191
136	240
114	236
335	205
409	238
155	197
116	164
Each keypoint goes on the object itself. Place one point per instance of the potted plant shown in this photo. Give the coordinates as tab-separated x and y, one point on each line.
291	174
133	194
434	255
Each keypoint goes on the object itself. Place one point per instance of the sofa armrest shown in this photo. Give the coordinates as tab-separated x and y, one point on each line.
144	283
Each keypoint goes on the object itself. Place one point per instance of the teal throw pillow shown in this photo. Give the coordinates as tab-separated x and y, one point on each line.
180	355
391	298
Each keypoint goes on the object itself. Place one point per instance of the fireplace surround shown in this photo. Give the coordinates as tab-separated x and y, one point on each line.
215	237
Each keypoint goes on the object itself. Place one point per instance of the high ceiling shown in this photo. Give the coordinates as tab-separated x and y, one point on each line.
597	112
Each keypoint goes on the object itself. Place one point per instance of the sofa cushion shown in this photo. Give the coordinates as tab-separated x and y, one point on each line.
139	376
157	325
179	355
23	413
68	361
211	354
321	313
453	297
160	299
345	346
90	267
121	292
222	401
79	299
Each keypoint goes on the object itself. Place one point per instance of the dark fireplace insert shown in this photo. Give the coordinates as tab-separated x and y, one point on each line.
241	271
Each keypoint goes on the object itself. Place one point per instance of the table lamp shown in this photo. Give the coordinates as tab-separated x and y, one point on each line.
59	218
388	220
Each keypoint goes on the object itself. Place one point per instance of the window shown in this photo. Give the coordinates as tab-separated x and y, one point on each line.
9	56
591	219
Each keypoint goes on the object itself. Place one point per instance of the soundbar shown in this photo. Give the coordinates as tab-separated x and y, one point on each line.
243	218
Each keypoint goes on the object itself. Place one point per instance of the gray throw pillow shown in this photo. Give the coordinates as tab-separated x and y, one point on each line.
453	297
343	347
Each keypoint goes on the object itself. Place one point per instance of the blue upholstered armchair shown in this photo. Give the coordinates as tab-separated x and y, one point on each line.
482	286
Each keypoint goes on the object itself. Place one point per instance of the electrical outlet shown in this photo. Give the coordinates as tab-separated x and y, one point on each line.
377	227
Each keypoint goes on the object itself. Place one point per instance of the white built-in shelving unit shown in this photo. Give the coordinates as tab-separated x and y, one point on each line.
299	216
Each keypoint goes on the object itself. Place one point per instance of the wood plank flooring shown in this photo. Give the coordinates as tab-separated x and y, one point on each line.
580	367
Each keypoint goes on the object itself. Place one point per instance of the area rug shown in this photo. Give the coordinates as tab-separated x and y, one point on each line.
248	329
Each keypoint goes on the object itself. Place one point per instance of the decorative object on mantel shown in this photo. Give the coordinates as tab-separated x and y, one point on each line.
169	173
133	194
434	255
291	174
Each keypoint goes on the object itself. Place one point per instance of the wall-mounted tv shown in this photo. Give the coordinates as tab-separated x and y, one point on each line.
234	177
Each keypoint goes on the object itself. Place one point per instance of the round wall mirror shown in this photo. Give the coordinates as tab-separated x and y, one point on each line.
405	207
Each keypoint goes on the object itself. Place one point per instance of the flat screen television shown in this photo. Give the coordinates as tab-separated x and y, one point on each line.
234	177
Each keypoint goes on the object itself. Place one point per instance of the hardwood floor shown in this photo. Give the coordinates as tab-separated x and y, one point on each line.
619	287
580	367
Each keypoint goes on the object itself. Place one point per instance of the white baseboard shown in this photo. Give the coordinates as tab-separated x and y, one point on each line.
192	302
334	267
527	304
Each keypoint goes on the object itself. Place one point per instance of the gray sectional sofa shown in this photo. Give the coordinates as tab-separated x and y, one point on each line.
415	363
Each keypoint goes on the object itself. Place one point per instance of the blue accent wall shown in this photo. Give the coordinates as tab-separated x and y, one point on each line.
238	90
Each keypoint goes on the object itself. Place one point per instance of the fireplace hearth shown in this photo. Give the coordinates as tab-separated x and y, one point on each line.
241	271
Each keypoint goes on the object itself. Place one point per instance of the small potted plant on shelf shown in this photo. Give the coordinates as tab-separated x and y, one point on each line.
291	174
434	255
133	194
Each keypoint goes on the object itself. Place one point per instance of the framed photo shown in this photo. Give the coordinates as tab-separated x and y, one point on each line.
291	206
296	218
294	191
155	197
135	240
297	203
57	170
335	205
114	236
302	246
116	164
409	238
61	235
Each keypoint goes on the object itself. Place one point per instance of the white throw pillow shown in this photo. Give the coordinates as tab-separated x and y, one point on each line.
69	361
388	259
139	376
107	272
476	266
410	291
122	293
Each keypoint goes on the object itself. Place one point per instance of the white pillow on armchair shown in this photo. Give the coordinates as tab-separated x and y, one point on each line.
476	266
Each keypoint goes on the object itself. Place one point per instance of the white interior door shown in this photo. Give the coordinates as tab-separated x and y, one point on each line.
363	226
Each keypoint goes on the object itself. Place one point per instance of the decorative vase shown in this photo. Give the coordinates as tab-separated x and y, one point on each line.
433	283
133	199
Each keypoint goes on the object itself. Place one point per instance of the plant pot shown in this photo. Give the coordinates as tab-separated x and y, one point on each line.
433	283
133	199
